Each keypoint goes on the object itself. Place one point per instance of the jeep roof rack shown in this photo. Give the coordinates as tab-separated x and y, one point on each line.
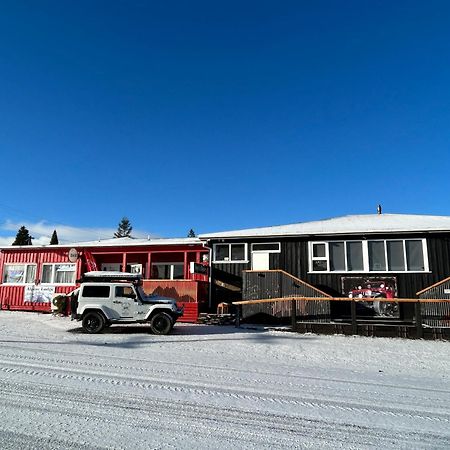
107	276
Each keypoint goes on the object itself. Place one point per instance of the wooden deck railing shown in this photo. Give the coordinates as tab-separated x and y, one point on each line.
353	301
274	284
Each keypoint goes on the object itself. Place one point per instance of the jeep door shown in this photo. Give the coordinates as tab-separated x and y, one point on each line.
125	301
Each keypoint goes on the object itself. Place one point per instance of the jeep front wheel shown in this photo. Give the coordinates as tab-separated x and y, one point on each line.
161	323
93	322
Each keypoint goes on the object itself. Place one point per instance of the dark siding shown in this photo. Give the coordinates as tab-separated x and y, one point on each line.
224	276
294	260
231	269
291	257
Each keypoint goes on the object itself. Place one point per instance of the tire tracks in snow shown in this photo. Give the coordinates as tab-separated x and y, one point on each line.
266	429
203	391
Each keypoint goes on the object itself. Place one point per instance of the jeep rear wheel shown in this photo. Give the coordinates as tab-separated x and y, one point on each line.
161	323
93	322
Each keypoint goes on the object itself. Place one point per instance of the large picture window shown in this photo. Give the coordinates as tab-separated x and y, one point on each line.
167	271
58	273
230	253
396	255
19	273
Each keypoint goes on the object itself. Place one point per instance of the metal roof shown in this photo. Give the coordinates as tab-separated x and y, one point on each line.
357	224
114	242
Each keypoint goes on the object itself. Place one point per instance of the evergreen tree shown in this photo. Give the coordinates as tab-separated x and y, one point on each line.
23	237
54	239
124	229
191	233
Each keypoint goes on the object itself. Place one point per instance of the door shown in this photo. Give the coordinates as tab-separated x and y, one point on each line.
125	301
260	260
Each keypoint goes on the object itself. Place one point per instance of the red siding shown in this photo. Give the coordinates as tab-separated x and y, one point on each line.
190	312
188	292
12	296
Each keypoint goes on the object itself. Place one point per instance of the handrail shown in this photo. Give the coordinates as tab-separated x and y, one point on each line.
289	275
345	299
433	286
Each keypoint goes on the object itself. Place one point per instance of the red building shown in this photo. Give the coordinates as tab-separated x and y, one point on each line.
177	268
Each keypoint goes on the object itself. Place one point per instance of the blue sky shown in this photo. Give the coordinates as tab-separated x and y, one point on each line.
220	115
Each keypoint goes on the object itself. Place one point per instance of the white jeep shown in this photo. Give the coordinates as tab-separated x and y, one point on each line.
106	298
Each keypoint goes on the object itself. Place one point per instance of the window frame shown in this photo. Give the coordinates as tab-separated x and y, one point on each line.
230	261
26	265
53	272
266	251
365	256
313	258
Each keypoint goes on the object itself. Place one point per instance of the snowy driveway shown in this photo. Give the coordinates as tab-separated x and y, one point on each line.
216	387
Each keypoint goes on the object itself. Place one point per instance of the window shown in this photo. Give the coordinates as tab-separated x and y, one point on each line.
267	247
167	271
125	291
377	256
355	261
58	273
319	257
230	252
96	291
19	273
337	256
396	255
415	256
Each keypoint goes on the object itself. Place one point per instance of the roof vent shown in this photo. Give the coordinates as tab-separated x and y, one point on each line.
379	209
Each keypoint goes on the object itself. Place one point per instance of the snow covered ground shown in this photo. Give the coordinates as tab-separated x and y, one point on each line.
216	387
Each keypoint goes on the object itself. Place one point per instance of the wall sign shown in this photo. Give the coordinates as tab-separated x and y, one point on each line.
73	255
39	294
198	268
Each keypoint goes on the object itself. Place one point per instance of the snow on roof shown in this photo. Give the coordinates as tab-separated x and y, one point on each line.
357	224
116	242
110	275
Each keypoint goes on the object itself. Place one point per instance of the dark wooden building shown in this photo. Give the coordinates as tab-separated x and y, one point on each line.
380	255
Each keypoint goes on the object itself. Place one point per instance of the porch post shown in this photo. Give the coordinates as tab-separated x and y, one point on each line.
186	268
124	262
354	320
148	269
419	326
293	314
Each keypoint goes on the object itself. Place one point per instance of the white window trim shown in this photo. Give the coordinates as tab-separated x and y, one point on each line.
266	251
53	283
365	254
26	272
426	264
245	260
313	258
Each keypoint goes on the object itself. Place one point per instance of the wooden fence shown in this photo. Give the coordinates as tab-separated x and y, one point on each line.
353	301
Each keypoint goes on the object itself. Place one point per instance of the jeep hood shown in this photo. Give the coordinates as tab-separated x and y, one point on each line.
158	299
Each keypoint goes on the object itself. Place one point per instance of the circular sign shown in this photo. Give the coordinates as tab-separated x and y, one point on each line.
73	255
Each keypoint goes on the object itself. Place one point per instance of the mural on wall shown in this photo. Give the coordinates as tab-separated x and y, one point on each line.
373	287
